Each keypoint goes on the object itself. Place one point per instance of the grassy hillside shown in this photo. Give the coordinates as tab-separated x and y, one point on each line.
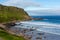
6	36
8	13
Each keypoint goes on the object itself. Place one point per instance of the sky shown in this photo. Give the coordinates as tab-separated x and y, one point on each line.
36	7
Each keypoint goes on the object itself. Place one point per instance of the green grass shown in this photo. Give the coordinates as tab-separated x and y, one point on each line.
6	36
8	13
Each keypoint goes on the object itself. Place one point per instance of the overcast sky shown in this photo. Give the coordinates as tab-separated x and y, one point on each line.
36	7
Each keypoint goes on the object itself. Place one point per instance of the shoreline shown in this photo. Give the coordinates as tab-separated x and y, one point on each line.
49	28
32	34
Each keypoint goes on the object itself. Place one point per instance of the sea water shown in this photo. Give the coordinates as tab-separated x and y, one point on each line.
49	24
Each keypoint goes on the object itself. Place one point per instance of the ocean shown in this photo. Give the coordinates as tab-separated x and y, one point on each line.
50	24
50	19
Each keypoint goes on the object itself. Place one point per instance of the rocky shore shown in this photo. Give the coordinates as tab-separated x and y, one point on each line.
31	33
24	32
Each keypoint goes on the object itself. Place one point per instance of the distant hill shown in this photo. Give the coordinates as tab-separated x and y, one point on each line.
8	13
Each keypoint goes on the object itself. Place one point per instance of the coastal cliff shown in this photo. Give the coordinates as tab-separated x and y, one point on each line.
8	13
8	16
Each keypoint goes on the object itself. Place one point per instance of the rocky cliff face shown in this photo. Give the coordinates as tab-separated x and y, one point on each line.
8	13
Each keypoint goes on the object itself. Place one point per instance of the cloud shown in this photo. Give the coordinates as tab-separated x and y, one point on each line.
39	9
43	11
33	7
22	3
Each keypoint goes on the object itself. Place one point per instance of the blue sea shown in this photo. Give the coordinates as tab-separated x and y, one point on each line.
50	19
50	24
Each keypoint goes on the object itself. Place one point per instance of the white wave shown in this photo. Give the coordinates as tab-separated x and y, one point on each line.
45	27
45	24
49	32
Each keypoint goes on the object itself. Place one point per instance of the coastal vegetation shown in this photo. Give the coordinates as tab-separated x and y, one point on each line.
8	16
6	36
9	13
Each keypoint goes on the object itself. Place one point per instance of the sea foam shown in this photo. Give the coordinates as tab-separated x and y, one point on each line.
45	27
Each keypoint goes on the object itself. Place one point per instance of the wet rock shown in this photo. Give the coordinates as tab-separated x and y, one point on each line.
40	33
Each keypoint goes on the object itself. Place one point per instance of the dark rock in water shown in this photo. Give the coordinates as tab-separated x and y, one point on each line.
31	29
12	24
40	33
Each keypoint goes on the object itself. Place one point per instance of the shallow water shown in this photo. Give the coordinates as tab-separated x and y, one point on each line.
42	26
34	33
50	26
